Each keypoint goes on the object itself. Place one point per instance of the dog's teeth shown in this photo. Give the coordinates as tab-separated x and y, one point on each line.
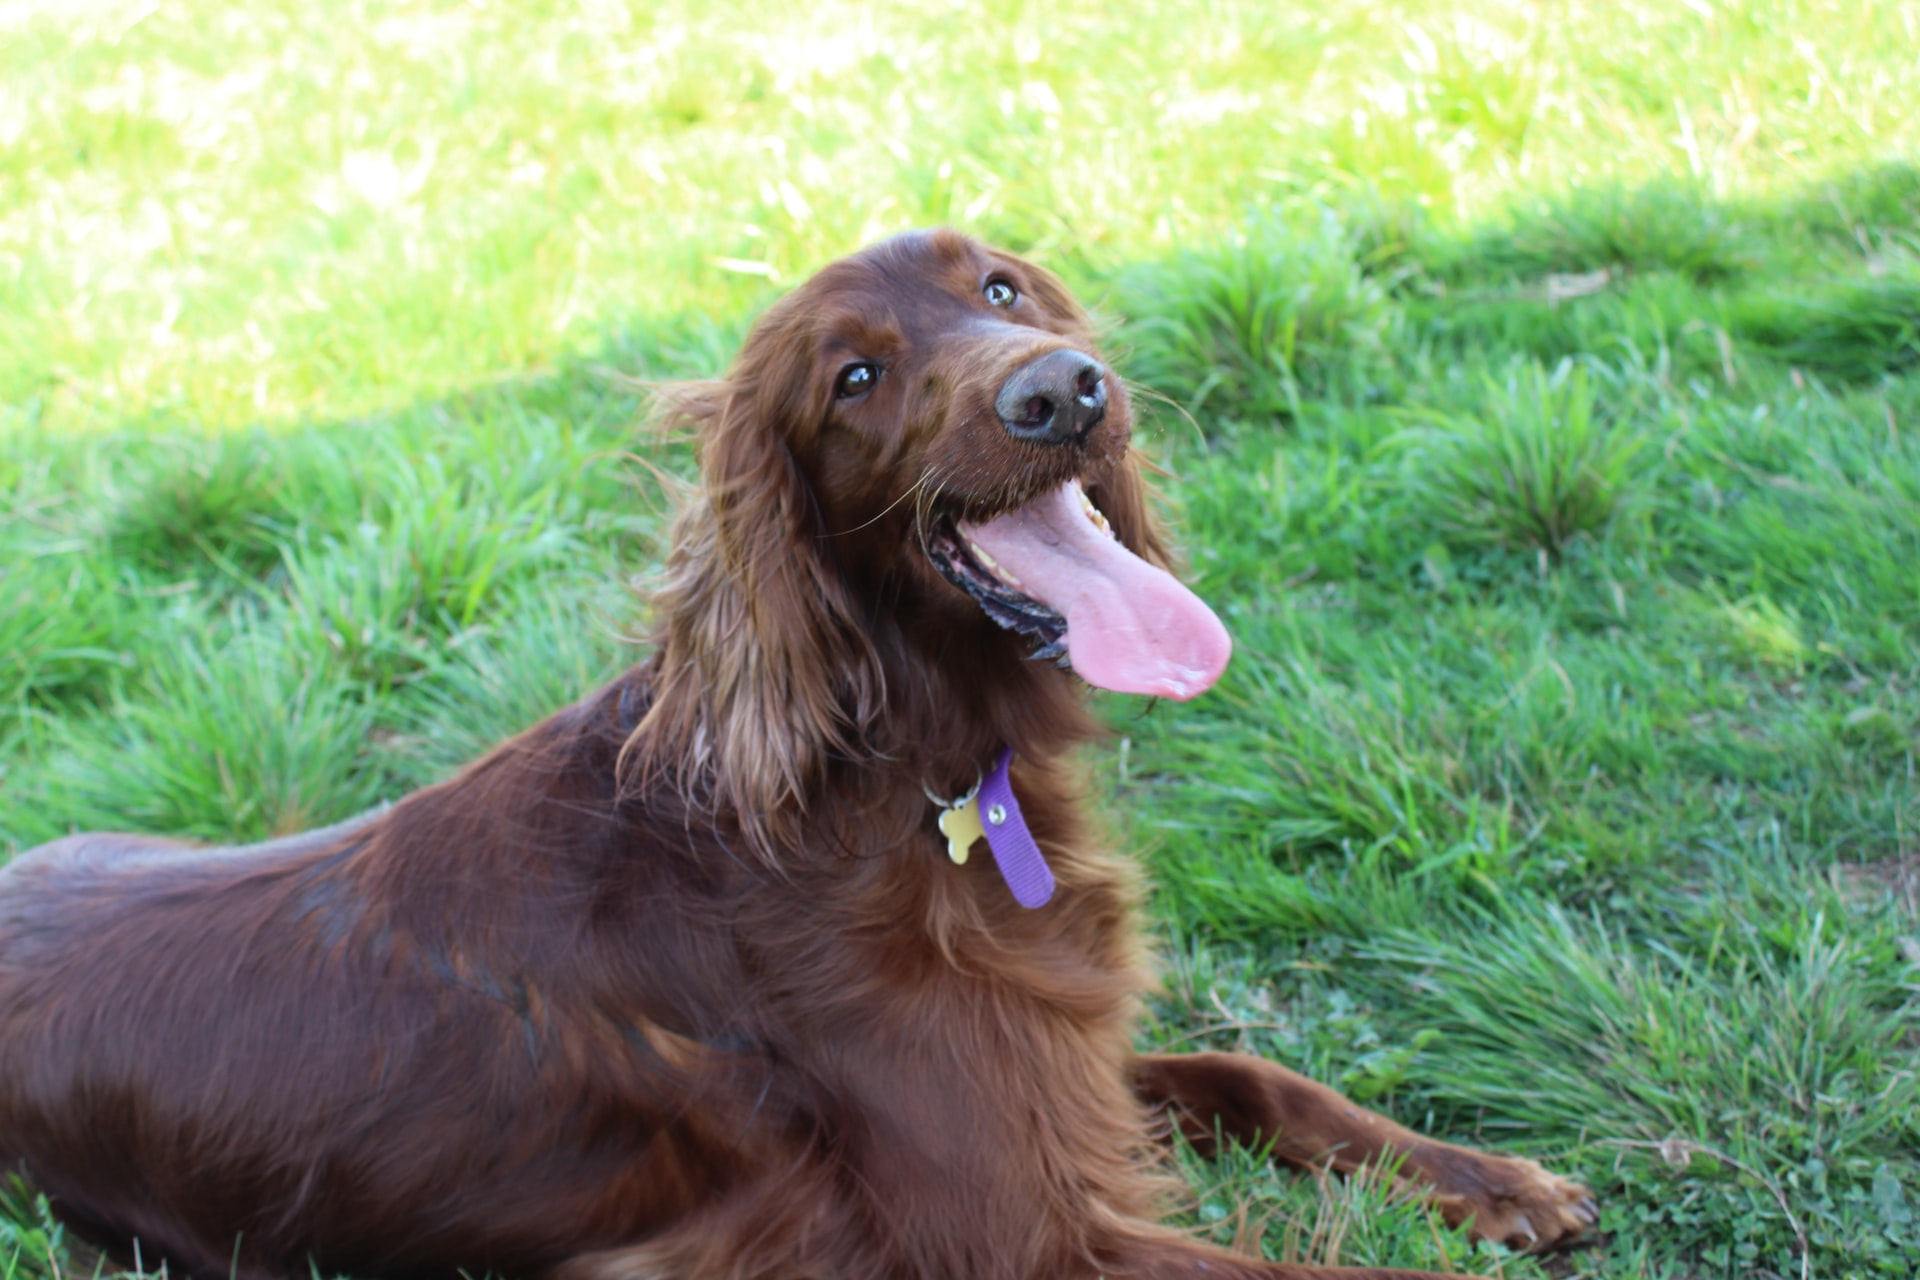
991	565
1093	513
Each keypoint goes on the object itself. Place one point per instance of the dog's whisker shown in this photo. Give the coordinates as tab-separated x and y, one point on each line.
883	511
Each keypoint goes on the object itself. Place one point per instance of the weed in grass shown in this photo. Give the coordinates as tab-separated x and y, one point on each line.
1541	461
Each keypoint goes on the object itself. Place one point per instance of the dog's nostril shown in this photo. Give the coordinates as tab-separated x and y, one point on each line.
1056	398
1087	388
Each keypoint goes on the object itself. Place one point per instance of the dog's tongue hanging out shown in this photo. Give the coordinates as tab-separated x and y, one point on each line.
1130	627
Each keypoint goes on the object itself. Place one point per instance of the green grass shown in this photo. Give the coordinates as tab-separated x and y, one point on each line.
1541	385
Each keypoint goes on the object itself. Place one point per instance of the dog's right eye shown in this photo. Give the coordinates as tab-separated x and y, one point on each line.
856	380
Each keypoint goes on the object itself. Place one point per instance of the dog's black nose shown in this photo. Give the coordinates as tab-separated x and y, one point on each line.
1055	399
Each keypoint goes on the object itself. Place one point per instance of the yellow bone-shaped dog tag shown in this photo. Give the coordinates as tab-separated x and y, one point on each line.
961	826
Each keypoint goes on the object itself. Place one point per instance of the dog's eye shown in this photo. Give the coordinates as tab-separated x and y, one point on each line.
1000	294
856	380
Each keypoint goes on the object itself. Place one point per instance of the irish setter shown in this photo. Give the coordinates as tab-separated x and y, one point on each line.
685	982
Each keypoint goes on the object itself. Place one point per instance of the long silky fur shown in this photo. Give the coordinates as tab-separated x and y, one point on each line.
747	705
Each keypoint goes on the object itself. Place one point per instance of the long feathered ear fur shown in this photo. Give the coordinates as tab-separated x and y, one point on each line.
765	670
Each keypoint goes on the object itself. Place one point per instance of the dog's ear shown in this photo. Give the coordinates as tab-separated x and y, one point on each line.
765	669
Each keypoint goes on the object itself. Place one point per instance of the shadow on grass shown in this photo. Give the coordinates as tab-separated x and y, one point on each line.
173	596
1311	300
1569	562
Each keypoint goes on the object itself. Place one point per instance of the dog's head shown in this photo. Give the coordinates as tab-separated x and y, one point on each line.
919	452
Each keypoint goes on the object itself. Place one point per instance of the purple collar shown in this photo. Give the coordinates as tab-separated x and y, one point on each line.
992	810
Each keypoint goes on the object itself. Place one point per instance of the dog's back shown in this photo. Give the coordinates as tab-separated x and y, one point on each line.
353	1025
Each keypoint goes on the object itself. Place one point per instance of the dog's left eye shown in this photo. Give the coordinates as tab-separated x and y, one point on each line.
999	293
856	380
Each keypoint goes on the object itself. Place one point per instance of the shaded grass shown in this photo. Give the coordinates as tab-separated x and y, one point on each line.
1565	695
239	659
241	738
1860	332
1562	693
1260	321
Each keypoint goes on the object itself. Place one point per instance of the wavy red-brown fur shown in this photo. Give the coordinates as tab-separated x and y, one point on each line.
678	983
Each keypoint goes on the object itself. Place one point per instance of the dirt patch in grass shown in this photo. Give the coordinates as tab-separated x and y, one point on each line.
1897	877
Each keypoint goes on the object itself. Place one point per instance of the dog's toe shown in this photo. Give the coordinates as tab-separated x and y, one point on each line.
1517	1203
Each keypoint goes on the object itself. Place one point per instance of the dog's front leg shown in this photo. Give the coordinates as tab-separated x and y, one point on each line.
1263	1105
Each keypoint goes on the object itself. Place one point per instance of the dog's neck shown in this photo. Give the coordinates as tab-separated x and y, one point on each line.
956	698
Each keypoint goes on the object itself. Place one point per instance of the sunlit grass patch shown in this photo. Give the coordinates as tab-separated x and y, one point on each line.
291	209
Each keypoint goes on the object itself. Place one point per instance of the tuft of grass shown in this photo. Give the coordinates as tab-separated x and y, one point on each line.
1259	321
1743	1092
204	503
1862	331
1541	460
1662	227
246	738
64	628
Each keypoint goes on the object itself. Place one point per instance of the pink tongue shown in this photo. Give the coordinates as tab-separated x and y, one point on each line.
1130	627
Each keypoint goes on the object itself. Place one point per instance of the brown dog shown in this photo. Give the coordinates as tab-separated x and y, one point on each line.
684	981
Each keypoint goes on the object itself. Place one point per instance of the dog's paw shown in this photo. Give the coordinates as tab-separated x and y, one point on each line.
1509	1200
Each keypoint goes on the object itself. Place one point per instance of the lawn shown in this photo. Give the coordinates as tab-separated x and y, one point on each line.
1539	385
